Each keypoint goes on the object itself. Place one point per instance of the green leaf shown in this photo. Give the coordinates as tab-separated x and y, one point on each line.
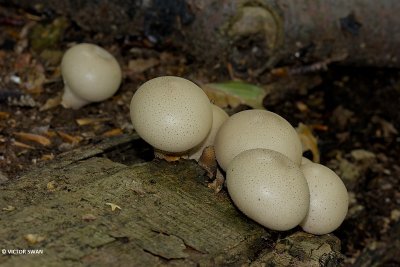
234	93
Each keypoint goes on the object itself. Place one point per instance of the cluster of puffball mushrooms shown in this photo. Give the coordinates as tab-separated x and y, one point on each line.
260	152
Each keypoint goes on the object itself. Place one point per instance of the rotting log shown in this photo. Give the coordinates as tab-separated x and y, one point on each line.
167	216
250	34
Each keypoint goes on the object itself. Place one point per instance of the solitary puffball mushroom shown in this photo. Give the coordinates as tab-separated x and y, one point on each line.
328	199
219	117
90	74
256	129
269	188
171	113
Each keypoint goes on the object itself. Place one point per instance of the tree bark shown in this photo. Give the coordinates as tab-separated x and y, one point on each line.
251	35
166	216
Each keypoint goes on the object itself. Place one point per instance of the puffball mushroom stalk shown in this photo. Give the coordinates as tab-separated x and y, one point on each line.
90	74
171	113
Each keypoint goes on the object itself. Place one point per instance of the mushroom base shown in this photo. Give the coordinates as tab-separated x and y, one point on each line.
168	156
71	100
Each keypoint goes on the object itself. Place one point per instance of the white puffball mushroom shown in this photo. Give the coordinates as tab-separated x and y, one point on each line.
269	188
256	129
219	117
305	160
328	199
90	74
171	113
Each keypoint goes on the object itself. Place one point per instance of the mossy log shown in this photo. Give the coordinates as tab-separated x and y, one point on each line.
164	214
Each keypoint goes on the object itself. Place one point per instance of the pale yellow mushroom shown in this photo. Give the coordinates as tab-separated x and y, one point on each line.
269	188
256	129
328	199
90	74
171	113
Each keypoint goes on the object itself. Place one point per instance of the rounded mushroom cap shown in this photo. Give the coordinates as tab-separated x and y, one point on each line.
305	160
269	188
328	199
91	72
171	113
256	129
219	117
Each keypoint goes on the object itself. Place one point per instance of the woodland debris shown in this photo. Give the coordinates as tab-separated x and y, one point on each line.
113	132
88	121
69	138
8	208
44	141
32	239
4	115
308	140
51	103
141	65
16	98
22	145
3	178
113	206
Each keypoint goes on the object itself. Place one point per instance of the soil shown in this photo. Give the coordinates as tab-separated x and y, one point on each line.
353	112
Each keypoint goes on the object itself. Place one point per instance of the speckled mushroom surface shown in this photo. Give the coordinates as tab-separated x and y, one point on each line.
170	113
269	188
219	117
328	199
256	129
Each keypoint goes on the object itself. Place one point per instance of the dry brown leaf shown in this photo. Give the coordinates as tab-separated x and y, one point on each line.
34	138
51	103
87	121
69	138
141	65
319	127
208	161
50	133
170	158
302	106
22	145
113	132
308	140
47	156
4	115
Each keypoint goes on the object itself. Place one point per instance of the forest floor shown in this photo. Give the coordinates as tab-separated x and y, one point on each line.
353	112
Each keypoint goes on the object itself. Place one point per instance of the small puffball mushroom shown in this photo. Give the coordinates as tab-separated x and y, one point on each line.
219	117
328	199
305	160
269	188
256	129
90	74
172	114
